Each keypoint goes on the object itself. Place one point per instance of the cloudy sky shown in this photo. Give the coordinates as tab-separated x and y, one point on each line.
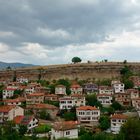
53	31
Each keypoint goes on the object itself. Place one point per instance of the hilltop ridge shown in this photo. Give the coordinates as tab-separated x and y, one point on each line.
71	71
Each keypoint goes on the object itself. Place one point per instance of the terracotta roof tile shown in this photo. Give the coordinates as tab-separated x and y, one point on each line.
119	116
87	108
6	108
65	125
36	94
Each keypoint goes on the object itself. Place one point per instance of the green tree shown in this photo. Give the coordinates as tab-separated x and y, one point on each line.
125	61
128	84
22	129
92	100
104	122
126	72
131	129
116	105
86	136
76	60
44	115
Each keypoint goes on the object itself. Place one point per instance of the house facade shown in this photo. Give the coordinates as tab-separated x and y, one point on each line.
76	89
60	90
29	121
17	101
106	90
134	93
105	99
64	129
123	98
35	98
7	113
117	120
118	87
88	114
66	103
90	88
79	100
8	92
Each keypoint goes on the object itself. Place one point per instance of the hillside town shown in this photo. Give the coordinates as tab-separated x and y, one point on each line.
66	108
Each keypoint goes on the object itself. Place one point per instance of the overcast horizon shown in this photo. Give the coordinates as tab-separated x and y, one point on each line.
54	31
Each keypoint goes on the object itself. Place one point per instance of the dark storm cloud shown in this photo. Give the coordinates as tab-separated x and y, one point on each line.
64	22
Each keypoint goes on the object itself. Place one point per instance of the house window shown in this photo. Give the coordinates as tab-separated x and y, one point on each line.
67	132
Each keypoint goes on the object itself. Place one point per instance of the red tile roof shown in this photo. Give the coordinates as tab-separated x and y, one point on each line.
52	95
65	125
18	119
77	95
6	108
25	120
62	86
87	108
119	116
75	86
36	94
20	99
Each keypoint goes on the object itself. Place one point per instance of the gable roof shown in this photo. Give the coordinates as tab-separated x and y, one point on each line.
25	120
65	125
119	116
87	108
6	108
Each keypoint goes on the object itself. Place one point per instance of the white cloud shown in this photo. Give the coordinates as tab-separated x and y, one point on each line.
6	34
3	48
58	33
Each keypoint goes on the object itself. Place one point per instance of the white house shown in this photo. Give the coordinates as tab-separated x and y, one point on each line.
66	102
79	100
30	89
29	121
7	113
105	99
136	103
22	80
8	92
117	120
76	89
65	129
118	87
105	90
134	93
60	90
88	114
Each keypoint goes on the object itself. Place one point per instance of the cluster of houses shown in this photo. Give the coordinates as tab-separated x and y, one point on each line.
34	96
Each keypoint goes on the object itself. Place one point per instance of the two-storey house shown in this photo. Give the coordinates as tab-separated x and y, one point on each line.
65	129
60	90
90	88
105	99
117	120
88	114
76	89
7	113
106	90
35	98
